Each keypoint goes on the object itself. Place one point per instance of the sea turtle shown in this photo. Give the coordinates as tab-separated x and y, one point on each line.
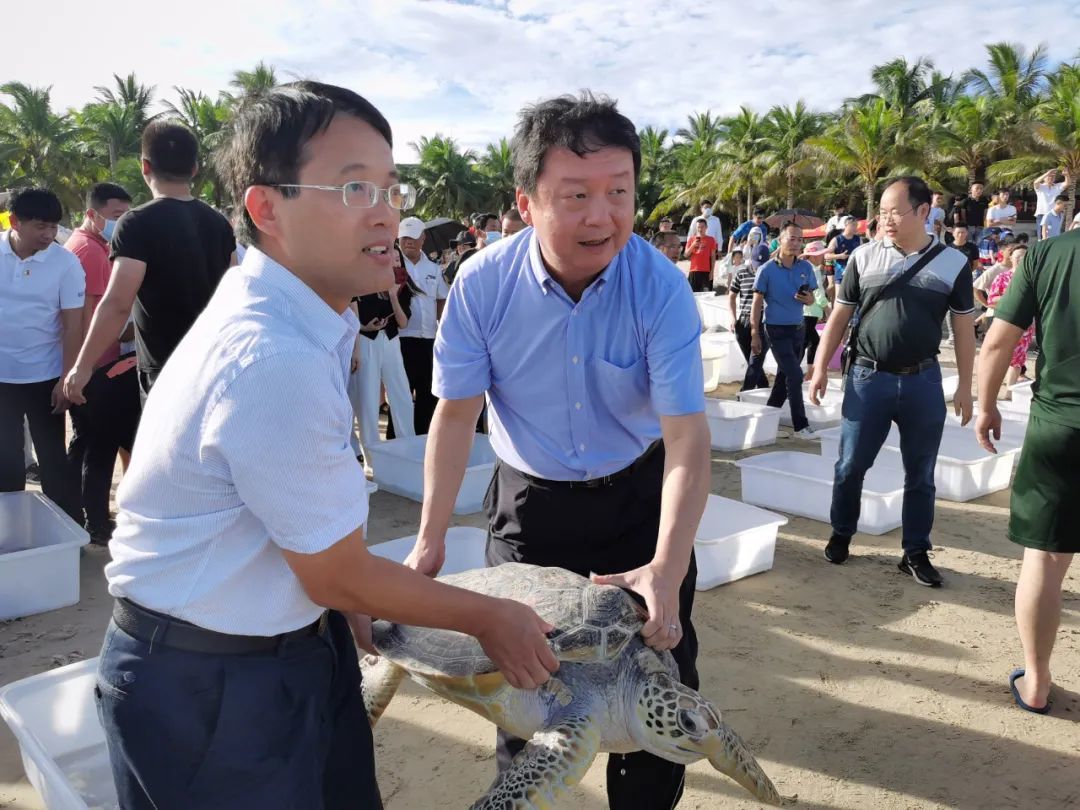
612	692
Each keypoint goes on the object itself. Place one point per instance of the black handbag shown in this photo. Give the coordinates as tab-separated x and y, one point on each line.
874	297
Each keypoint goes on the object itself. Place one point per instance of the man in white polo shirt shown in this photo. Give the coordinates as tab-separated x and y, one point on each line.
222	682
418	338
42	290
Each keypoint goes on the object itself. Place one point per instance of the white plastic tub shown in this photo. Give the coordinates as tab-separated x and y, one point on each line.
1013	422
801	484
399	468
737	426
949	385
825	415
39	555
734	540
1022	394
964	470
464	549
721	359
54	720
715	311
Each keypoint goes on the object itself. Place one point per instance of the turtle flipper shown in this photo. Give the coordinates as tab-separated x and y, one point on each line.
552	762
381	678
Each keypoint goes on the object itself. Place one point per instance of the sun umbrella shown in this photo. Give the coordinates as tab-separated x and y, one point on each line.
439	233
800	216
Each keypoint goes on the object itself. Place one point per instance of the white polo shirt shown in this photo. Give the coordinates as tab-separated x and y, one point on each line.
423	322
1045	194
242	452
32	293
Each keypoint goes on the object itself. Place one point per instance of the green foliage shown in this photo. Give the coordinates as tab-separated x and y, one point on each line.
1007	121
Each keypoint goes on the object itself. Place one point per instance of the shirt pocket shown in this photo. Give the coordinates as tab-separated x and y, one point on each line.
623	390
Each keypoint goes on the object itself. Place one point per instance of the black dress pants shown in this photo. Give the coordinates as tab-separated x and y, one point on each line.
603	530
101	427
34	401
419	357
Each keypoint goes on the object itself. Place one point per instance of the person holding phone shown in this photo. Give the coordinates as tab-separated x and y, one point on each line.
377	359
701	251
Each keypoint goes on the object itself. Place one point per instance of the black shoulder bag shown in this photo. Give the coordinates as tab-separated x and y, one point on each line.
875	296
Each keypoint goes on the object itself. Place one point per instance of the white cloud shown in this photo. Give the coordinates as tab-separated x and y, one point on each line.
465	69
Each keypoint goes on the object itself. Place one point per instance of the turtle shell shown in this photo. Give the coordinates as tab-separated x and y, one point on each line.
593	623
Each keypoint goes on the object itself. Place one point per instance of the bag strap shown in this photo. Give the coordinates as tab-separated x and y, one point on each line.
875	296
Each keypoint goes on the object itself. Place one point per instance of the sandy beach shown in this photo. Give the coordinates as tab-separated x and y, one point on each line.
856	687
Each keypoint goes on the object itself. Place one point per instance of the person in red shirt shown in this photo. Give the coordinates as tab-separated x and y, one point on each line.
105	204
106	422
701	251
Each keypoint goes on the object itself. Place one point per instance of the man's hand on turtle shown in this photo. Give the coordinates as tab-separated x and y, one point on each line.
514	638
427	557
360	624
660	590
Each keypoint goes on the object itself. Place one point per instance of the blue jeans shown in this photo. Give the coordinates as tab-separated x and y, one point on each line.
786	344
873	400
274	731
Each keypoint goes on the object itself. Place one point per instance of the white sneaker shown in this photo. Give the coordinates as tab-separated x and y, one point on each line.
806	433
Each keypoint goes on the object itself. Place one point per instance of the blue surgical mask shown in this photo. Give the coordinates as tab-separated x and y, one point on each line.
109	229
492	236
706	212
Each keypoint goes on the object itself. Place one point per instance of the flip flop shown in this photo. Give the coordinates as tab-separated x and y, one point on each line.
1019	673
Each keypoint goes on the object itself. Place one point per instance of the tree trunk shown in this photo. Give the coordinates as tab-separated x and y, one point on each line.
112	158
870	201
749	199
1070	192
791	189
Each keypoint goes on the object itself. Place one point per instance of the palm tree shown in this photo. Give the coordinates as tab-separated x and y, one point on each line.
742	149
656	161
252	83
701	128
868	141
974	134
129	93
496	167
785	132
1056	134
114	128
1013	76
41	147
901	85
446	182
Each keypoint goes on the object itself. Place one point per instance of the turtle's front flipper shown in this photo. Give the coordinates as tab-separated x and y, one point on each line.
552	762
381	679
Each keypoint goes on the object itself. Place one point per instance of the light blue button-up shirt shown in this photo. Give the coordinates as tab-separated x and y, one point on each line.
242	451
576	389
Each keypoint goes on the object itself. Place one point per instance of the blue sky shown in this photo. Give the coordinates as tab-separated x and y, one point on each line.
465	68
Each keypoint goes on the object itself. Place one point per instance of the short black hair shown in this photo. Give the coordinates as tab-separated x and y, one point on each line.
28	204
1003	189
665	219
484	220
171	149
269	135
512	214
758	212
100	194
1022	239
840	204
871	226
736	252
918	191
582	124
1062	198
703	203
790	224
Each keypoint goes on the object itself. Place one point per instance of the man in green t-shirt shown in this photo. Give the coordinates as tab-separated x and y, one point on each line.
1044	514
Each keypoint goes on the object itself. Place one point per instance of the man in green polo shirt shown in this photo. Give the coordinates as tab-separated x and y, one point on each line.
1044	514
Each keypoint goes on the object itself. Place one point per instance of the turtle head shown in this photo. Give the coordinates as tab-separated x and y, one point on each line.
674	722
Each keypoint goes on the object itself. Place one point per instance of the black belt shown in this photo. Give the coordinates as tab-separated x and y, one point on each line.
152	627
919	367
603	481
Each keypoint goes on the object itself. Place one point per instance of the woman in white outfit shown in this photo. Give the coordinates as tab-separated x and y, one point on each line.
377	359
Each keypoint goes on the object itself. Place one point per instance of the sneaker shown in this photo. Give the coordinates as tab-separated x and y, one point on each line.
806	433
921	569
101	535
836	551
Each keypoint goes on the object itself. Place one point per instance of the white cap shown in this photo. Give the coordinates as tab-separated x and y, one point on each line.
411	228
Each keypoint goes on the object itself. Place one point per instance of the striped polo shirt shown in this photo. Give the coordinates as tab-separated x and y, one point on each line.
904	328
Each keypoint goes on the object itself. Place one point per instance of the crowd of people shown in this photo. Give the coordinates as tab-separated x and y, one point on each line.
240	396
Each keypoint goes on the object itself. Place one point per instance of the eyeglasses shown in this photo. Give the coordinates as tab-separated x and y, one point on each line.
363	194
885	216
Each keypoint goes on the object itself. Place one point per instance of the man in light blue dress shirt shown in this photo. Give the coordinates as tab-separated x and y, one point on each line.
223	681
586	340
